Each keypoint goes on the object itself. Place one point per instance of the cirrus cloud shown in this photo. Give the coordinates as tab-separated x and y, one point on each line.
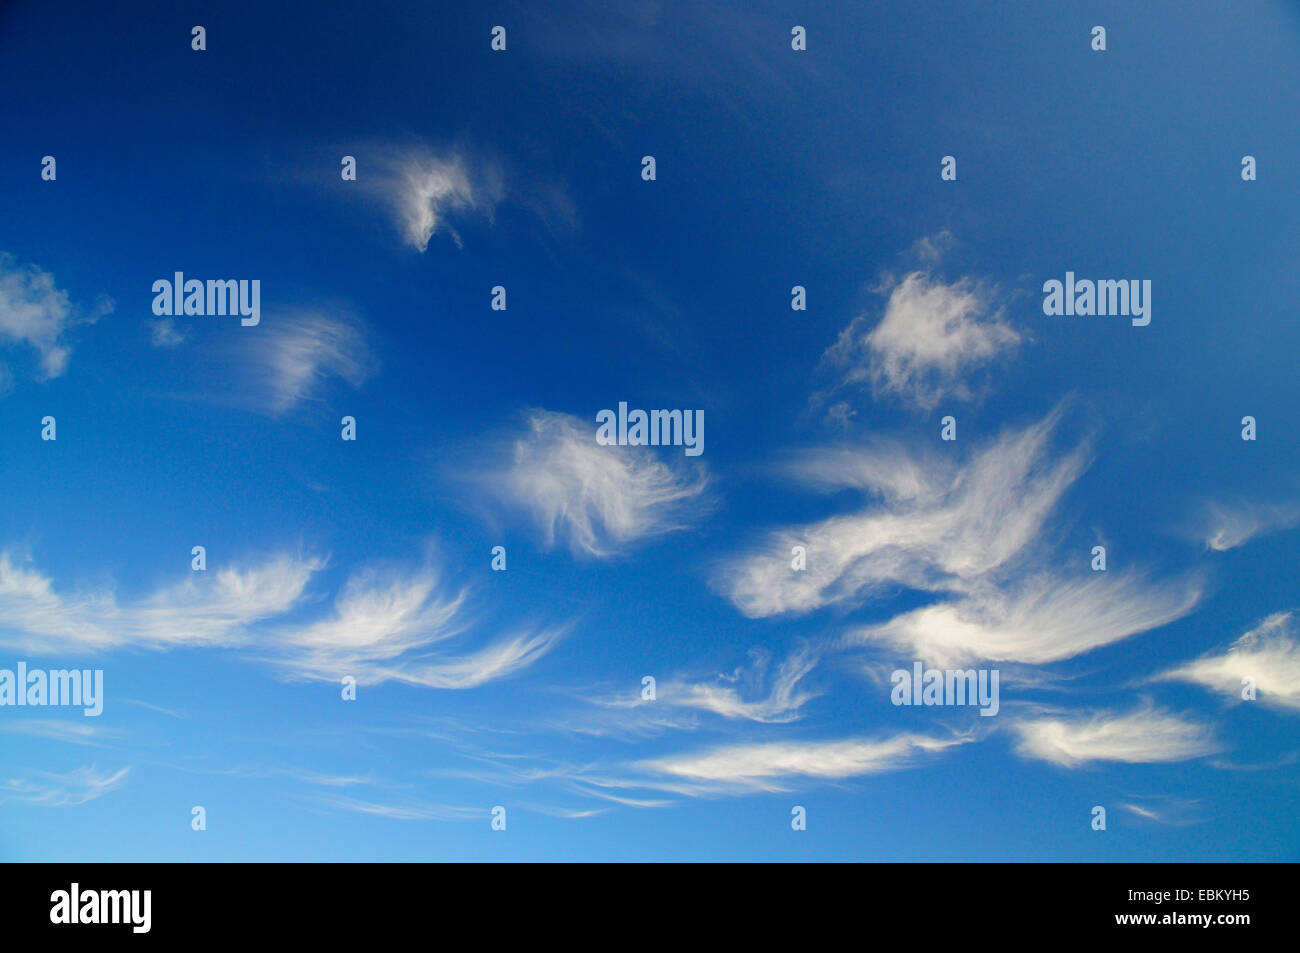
1145	736
1268	654
938	525
931	334
35	312
596	499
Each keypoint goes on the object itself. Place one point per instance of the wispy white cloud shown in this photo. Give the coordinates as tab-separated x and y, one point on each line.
218	611
293	772
328	780
771	766
1269	654
1143	812
939	526
597	788
206	609
726	695
595	498
752	692
1226	526
427	189
1162	809
566	813
377	615
62	790
718	47
624	716
1145	736
931	334
1043	618
384	627
165	333
930	249
152	707
73	732
34	312
500	659
406	811
301	351
963	530
878	466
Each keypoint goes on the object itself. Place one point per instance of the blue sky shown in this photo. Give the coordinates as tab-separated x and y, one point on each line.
476	428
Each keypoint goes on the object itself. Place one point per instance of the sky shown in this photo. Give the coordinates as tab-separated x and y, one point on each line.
771	732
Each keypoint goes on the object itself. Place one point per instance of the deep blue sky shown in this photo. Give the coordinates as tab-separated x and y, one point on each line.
476	428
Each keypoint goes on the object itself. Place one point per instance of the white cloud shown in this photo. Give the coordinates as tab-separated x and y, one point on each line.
723	697
1227	526
1268	653
1147	735
73	732
1145	813
62	790
36	313
963	530
426	189
410	811
300	351
941	526
750	693
931	248
624	715
206	609
326	780
378	616
595	788
492	662
1174	811
594	498
152	707
930	335
34	618
770	766
383	627
881	467
164	333
219	612
1042	619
